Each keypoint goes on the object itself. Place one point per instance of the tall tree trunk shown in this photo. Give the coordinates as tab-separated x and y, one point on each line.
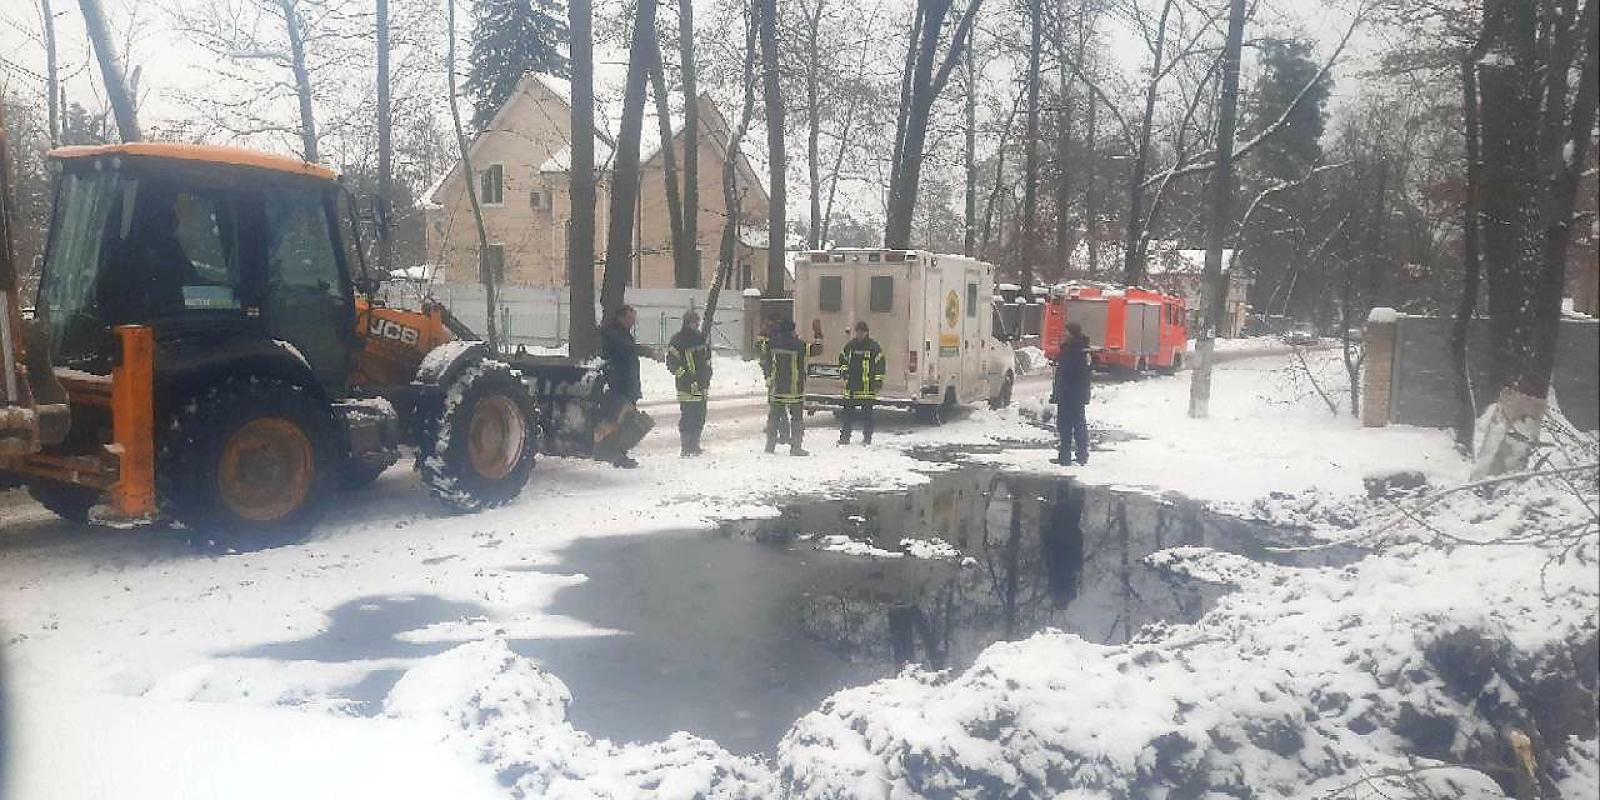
689	74
777	162
1530	177
813	125
52	76
730	181
625	164
925	85
302	79
385	146
1132	252
582	333
1471	269
121	100
970	217
903	111
1091	187
1214	287
1030	170
470	177
1063	194
685	272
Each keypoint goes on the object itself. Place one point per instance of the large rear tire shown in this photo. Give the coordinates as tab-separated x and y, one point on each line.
249	455
484	441
71	503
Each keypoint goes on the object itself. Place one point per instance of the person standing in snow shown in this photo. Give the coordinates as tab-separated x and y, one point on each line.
621	355
785	367
769	323
689	361
1070	393
861	363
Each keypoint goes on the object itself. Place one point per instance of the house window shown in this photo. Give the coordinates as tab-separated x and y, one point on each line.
972	300
538	201
881	299
495	258
830	293
492	185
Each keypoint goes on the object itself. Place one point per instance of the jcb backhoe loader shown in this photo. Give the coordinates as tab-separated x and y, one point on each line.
207	347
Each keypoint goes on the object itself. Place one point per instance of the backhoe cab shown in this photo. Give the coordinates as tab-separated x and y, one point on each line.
200	306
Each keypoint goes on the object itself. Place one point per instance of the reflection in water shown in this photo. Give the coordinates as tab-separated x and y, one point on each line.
1040	553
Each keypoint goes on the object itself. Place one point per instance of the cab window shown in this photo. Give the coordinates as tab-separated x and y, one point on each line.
300	254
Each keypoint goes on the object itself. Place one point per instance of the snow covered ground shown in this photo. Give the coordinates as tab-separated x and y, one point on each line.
144	665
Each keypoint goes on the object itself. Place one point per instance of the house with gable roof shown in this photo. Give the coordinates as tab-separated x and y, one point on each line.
521	166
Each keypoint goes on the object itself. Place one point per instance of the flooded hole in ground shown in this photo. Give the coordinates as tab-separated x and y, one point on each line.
735	634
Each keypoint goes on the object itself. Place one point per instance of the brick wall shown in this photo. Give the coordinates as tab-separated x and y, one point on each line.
1377	374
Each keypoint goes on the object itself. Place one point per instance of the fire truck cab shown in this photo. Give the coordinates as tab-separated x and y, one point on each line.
1129	329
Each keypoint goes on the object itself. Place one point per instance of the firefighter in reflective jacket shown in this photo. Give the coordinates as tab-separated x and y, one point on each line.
861	365
689	361
763	350
785	367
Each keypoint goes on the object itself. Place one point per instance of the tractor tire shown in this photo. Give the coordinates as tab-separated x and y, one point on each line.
484	440
247	456
71	503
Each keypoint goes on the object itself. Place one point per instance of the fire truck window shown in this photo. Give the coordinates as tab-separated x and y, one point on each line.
972	300
882	296
830	293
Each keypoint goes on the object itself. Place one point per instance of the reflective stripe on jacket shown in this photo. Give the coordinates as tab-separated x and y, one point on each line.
689	361
862	365
785	367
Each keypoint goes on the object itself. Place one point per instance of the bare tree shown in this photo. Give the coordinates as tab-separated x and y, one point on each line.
385	144
922	83
730	177
302	78
777	163
1471	268
121	99
582	334
486	270
625	164
1536	137
52	75
689	75
1214	291
1030	186
685	272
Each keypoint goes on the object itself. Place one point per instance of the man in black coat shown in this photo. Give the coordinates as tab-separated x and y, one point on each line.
689	361
1070	393
621	355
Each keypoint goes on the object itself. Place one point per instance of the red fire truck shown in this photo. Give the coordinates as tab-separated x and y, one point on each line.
1129	329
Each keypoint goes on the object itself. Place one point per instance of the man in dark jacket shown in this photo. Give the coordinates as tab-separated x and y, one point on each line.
689	361
785	367
861	365
621	355
1070	393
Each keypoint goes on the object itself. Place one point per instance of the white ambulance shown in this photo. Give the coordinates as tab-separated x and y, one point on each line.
932	314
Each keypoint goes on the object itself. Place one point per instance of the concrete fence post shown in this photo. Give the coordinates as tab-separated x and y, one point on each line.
1377	374
752	324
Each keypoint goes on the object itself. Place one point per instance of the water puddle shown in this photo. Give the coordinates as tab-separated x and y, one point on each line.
735	633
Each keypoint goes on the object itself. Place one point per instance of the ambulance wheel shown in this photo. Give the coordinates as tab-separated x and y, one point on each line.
71	503
484	440
1003	399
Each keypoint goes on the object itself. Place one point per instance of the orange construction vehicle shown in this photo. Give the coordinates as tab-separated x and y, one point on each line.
206	347
1129	329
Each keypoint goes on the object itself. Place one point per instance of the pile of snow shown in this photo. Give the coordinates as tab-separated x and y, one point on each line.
504	710
1384	675
1031	361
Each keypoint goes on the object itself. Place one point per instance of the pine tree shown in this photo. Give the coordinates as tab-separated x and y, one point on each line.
511	38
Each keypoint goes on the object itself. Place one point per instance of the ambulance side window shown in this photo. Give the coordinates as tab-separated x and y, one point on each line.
972	300
830	293
882	294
